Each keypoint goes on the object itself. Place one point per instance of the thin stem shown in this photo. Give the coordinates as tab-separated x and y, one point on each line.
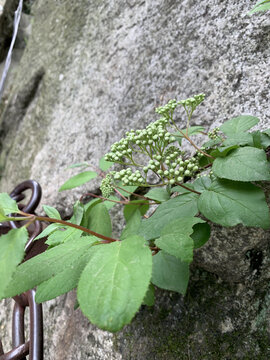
52	220
121	195
103	198
187	188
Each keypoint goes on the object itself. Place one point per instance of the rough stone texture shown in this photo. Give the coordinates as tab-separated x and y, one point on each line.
90	71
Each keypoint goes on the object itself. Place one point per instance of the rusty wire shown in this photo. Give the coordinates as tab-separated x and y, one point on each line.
33	347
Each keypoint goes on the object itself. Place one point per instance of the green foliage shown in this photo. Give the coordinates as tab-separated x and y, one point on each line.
113	277
262	5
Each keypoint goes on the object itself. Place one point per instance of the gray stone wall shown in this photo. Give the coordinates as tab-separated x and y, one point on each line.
90	71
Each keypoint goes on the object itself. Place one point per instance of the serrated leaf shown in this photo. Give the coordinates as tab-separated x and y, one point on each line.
170	273
63	235
51	212
63	281
98	219
105	165
201	234
114	283
46	265
223	151
175	238
7	205
78	180
239	139
243	164
239	124
11	254
149	298
180	206
159	194
229	203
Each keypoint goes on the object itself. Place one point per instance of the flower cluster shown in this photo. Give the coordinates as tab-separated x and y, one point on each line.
106	186
213	135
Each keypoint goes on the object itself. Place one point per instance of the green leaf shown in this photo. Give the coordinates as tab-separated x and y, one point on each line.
98	219
175	238
262	5
46	265
11	254
202	183
201	234
78	180
170	273
78	212
83	164
149	298
267	132
158	194
51	212
243	164
132	206
126	189
180	206
63	235
65	280
114	283
239	139
48	230
132	224
104	165
229	203
181	190
110	204
239	124
223	151
213	142
7	205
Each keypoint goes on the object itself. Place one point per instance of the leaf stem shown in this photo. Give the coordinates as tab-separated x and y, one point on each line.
187	188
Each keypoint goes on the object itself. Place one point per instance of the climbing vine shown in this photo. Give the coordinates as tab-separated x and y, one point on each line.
170	197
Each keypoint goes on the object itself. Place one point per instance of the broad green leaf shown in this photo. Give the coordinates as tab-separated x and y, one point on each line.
104	165
240	139
97	219
49	230
223	151
46	265
63	235
63	281
141	205
111	204
181	190
83	164
239	124
243	164
126	189
132	224
262	5
175	238
202	183
78	211
11	254
149	298
114	283
158	194
267	132
170	273
91	204
180	206
7	205
201	234
229	203
78	180
51	212
257	139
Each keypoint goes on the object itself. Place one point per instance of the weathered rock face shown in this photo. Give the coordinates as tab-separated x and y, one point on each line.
90	71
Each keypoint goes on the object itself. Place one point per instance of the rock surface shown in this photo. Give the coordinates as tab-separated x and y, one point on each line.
89	72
